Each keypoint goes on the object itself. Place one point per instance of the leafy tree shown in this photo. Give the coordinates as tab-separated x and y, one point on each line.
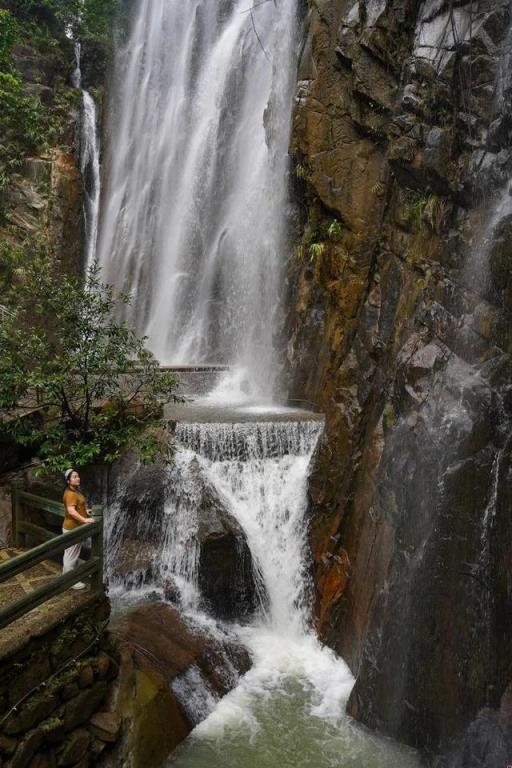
8	37
82	18
74	381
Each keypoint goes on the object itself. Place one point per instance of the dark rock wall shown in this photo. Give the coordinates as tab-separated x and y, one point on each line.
399	330
53	687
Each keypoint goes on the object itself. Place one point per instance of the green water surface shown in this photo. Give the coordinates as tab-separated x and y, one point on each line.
274	728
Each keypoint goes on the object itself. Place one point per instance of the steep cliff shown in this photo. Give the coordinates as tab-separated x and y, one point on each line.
400	332
43	176
41	186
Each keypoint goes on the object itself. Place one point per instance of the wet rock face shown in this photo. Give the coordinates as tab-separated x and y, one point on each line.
430	632
488	740
171	646
399	331
137	550
226	575
172	674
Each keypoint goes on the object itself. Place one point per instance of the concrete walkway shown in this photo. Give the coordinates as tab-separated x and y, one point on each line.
25	582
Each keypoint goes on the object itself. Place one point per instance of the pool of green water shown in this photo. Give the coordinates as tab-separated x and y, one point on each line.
274	727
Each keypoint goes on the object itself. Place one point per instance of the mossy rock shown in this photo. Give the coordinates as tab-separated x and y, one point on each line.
158	724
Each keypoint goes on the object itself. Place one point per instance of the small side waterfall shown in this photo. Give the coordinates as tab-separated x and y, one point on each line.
194	217
89	151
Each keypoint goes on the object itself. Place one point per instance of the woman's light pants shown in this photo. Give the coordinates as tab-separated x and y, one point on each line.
71	555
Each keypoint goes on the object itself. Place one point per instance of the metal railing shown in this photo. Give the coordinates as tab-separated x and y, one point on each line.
53	544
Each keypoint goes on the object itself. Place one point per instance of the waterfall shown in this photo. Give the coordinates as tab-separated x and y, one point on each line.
89	164
260	472
194	210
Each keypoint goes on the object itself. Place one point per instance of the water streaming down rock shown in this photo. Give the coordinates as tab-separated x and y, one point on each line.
442	480
257	473
89	153
194	211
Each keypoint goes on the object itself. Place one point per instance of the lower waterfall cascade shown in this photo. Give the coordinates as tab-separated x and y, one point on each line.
259	470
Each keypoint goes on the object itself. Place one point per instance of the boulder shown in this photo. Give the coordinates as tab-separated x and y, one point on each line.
27	748
105	726
171	645
80	709
226	575
74	748
172	672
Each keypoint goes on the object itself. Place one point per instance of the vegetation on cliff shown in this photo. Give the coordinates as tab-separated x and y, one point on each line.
61	351
74	381
31	120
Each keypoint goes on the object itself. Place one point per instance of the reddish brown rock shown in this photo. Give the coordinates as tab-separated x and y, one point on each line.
175	645
169	658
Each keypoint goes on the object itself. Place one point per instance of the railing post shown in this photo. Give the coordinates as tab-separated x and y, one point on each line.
16	506
97	548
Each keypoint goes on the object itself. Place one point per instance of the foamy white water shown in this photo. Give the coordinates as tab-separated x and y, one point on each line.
288	710
259	472
194	211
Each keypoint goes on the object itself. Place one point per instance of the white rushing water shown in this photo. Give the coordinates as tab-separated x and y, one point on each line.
89	153
194	211
259	472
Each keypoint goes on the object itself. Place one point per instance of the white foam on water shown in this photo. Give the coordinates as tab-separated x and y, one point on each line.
233	390
325	677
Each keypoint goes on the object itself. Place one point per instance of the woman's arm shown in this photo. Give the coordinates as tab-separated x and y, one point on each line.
75	514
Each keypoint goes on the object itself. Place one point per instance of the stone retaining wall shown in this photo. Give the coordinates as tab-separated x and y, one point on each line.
52	690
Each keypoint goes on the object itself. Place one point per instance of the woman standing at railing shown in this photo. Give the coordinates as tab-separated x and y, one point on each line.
76	513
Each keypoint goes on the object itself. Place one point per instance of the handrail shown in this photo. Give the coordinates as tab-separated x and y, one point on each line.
36	555
53	545
61	584
40	502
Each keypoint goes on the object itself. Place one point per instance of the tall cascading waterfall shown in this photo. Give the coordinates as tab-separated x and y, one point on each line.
193	225
89	152
194	215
